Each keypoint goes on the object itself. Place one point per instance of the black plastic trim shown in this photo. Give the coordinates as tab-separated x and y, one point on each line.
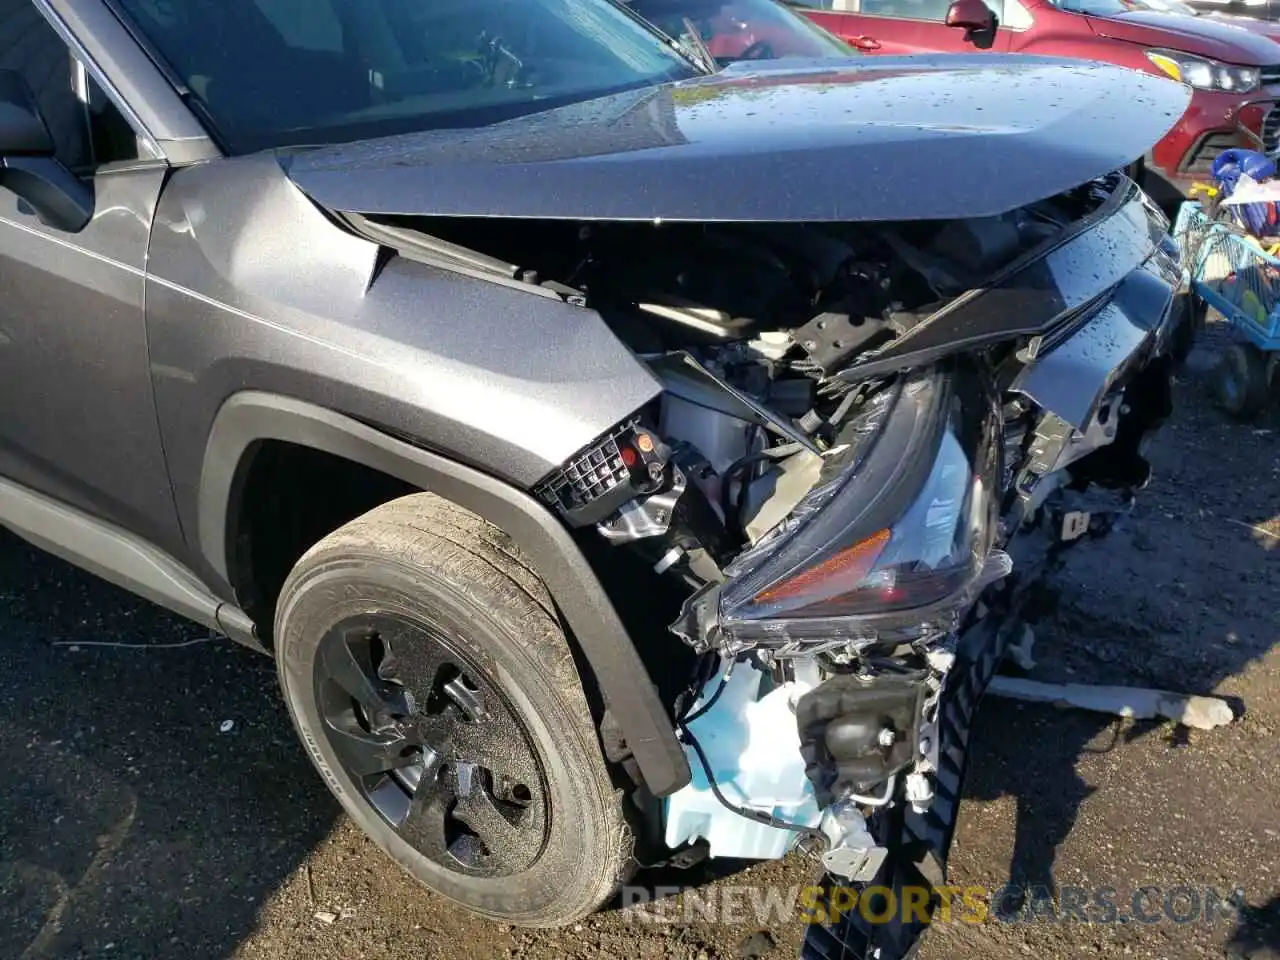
118	556
59	199
1066	276
251	417
919	843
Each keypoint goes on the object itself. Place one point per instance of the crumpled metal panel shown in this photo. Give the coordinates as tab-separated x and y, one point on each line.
885	138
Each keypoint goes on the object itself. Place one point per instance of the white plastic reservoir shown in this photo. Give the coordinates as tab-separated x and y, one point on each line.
753	748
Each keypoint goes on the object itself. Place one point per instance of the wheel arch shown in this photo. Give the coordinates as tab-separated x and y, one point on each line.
248	419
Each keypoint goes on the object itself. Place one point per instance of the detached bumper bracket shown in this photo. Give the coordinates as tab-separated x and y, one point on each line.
919	843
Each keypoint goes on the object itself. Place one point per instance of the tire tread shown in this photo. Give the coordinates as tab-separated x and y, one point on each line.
484	567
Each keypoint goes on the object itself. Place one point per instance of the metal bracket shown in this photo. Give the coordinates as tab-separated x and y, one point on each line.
852	852
645	516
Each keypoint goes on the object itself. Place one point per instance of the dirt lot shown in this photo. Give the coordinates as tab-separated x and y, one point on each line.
155	804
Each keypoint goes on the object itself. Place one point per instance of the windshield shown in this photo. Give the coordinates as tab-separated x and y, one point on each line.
1113	8
743	29
273	73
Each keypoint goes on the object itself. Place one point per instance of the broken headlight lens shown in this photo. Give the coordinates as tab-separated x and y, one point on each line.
900	534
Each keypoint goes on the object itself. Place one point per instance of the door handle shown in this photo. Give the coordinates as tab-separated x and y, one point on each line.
866	43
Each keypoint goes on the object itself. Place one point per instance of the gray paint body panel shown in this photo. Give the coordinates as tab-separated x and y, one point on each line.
884	138
251	287
249	417
73	359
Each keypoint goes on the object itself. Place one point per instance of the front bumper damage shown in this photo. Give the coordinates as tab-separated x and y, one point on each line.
863	754
921	836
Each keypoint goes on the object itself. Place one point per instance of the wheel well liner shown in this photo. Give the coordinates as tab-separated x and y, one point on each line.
251	417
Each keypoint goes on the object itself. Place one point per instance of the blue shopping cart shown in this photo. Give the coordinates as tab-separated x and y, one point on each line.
1237	275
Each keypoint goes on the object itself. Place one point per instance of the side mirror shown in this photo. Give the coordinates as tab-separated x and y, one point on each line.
28	166
976	19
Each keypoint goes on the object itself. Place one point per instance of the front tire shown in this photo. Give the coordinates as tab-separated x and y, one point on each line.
427	674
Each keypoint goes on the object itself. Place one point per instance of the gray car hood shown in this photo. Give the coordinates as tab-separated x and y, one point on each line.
891	138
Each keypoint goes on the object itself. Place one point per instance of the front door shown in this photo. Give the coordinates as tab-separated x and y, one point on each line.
77	421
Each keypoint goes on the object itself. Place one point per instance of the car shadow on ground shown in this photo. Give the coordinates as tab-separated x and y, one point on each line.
1180	597
152	798
1259	931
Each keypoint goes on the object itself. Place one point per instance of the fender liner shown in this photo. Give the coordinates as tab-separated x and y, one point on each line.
250	417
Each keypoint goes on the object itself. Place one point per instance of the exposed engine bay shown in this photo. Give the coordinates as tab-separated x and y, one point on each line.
871	439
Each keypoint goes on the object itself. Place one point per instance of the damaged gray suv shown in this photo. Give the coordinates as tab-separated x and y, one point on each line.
625	463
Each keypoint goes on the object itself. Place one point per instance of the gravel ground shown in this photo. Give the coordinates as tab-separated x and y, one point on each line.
156	804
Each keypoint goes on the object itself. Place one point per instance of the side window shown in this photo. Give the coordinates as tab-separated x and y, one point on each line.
112	137
907	9
30	46
88	131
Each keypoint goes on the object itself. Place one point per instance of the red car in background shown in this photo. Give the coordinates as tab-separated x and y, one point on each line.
733	30
1231	63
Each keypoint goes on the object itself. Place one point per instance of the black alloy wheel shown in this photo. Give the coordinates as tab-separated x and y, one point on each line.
434	746
428	676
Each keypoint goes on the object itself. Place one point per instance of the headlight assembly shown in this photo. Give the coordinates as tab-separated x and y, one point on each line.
1205	74
899	535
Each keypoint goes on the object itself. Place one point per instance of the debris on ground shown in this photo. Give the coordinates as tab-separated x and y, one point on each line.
1201	713
759	944
1019	652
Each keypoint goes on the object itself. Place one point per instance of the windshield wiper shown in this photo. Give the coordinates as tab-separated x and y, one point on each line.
684	52
698	47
